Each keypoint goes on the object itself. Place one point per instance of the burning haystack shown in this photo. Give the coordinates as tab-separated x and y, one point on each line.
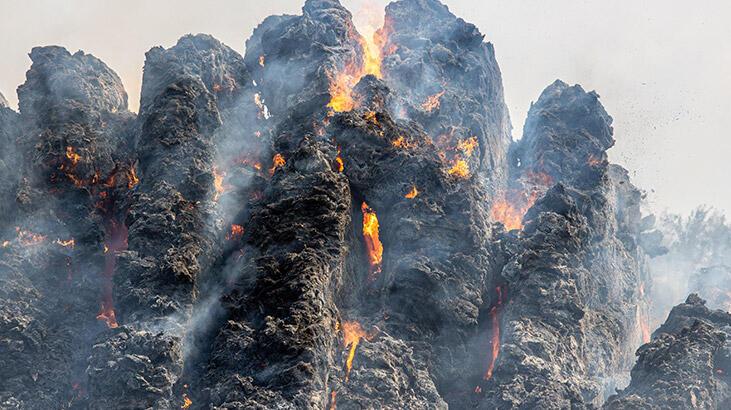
337	219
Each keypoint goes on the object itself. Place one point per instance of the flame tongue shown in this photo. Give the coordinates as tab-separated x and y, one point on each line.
352	333
372	242
495	336
116	241
371	41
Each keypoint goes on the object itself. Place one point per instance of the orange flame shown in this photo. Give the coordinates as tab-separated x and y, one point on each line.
261	60
218	185
372	41
277	161
339	165
132	179
401	142
460	169
372	242
236	232
72	156
352	333
432	102
468	145
511	215
186	401
413	193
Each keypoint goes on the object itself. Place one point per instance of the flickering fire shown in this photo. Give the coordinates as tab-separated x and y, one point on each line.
72	156
432	102
495	335
412	193
459	169
28	238
511	213
69	243
186	401
218	186
468	146
371	40
372	242
132	179
495	340
352	333
642	321
235	233
277	161
261	60
115	241
339	165
401	142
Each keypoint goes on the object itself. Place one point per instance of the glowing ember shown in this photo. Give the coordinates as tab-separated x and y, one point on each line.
186	401
642	322
372	242
352	333
413	193
28	238
277	161
339	165
261	60
132	179
511	215
593	161
116	240
69	243
459	169
432	102
236	232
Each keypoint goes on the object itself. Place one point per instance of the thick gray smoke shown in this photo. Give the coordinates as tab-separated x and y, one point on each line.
698	259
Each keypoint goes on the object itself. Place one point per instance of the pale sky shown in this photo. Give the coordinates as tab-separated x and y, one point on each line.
662	67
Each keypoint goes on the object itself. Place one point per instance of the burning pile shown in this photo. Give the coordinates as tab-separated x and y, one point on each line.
229	219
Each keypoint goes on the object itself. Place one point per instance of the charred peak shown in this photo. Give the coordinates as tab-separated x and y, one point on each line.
566	130
58	79
220	68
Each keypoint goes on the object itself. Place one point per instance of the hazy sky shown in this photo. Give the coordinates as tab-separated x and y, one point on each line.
662	68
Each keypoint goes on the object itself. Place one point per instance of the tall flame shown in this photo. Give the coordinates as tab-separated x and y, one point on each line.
495	336
371	39
116	240
372	242
352	333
